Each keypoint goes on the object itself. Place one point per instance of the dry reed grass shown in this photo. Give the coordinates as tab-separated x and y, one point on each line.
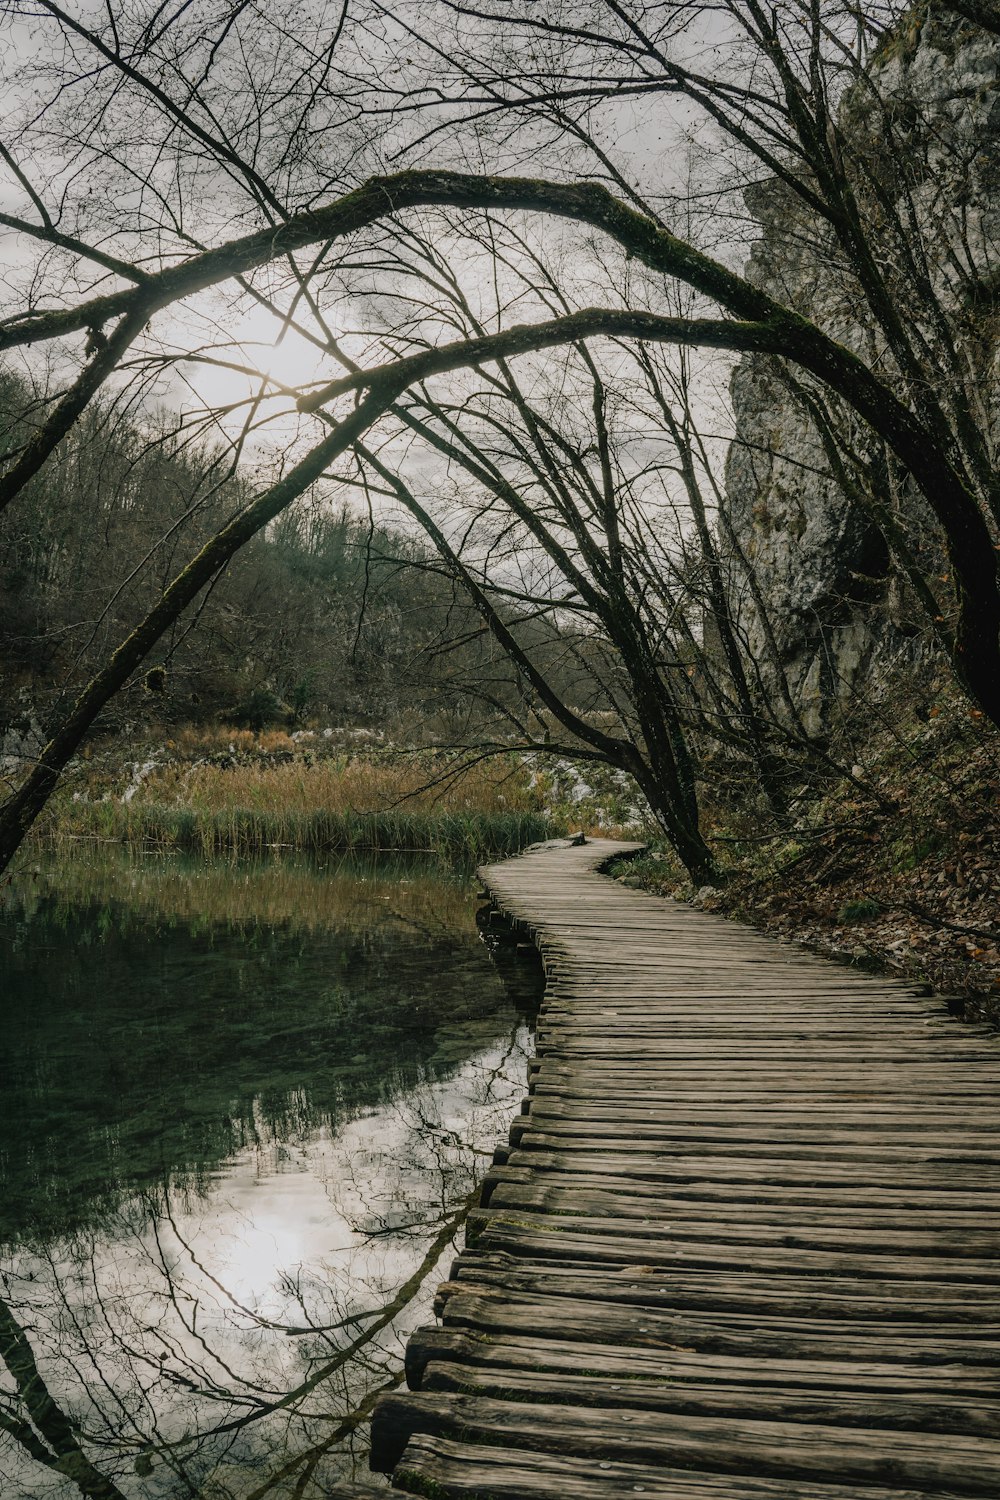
342	803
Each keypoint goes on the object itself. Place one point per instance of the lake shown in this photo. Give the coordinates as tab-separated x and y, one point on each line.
245	1107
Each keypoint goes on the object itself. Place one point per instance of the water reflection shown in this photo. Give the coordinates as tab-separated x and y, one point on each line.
236	1153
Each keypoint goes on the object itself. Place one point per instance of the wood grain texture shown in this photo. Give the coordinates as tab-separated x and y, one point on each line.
463	1471
744	1240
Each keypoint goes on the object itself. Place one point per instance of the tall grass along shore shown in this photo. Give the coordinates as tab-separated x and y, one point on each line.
243	794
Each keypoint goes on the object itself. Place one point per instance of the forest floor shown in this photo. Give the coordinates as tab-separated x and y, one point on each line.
910	887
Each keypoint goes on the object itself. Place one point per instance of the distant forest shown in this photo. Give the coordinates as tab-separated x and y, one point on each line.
330	614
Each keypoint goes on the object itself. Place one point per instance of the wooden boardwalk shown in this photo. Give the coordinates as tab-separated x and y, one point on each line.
745	1244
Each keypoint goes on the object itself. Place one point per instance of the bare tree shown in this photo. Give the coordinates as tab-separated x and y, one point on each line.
818	116
582	504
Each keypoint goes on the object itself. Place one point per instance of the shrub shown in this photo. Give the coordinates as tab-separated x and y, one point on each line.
859	911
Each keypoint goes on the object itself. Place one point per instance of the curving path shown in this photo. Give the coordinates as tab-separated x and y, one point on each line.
745	1244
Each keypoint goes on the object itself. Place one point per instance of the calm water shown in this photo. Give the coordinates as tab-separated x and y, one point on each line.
243	1109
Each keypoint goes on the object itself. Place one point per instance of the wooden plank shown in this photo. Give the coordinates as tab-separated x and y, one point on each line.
585	1197
643	1164
804	1086
874	1118
827	1031
916	1412
623	1053
969	1465
982	1248
666	1034
606	1244
661	1126
815	1142
510	1350
744	1195
450	1470
887	1076
820	1114
666	1045
832	1298
737	1334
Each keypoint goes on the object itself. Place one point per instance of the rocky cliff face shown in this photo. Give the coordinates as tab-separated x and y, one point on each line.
843	621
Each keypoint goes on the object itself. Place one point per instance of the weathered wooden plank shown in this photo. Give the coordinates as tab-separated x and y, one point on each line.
875	1119
944	1175
674	1042
580	1196
744	1196
832	1299
981	1248
725	1005
933	1037
511	1350
819	1114
737	1334
896	1078
726	1073
722	1003
760	1088
601	1243
815	1142
969	1465
917	1412
779	1058
660	1126
459	1471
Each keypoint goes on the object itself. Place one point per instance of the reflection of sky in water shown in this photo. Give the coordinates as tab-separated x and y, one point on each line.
214	1336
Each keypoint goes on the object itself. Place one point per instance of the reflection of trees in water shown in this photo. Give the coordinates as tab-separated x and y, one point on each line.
141	1048
159	1357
